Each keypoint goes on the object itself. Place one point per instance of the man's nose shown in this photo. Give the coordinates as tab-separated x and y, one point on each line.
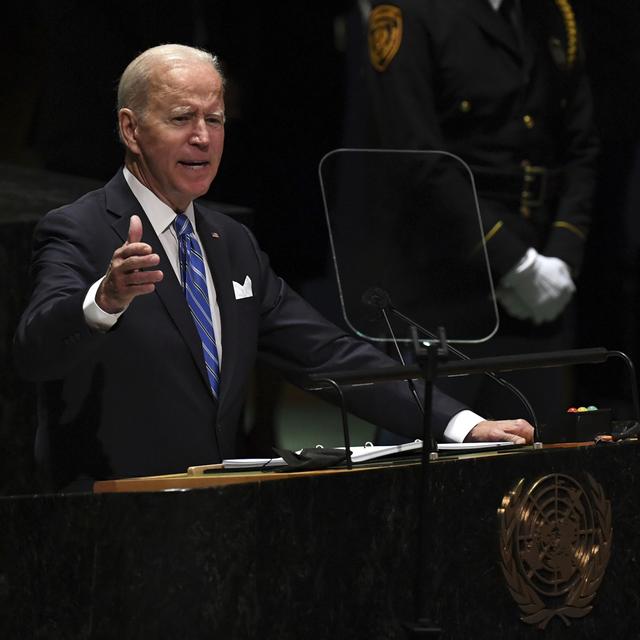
199	133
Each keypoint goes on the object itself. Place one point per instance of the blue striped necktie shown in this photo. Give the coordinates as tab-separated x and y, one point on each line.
194	281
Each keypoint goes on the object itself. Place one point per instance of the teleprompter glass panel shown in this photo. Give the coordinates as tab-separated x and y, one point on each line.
406	236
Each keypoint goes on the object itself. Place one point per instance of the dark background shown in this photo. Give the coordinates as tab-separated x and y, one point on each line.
292	94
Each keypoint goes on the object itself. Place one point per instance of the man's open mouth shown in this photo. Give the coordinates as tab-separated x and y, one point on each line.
194	163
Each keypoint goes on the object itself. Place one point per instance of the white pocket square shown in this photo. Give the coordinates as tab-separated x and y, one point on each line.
243	290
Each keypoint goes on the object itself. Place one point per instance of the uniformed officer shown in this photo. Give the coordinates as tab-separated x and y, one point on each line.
501	84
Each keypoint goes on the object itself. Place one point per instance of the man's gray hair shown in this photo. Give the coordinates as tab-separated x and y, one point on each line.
133	89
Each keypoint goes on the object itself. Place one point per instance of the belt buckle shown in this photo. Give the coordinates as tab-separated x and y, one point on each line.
534	188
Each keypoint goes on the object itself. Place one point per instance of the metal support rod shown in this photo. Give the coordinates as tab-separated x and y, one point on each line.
345	419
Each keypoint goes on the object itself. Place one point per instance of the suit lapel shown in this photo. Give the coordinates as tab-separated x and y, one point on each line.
494	25
122	204
216	250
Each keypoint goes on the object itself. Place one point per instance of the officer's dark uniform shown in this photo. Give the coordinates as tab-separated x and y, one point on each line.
513	101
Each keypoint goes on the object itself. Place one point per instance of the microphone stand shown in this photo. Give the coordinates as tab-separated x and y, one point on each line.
427	358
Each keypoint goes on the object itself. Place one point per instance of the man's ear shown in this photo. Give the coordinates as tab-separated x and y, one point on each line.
128	127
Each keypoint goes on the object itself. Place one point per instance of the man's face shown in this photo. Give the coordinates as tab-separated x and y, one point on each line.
176	144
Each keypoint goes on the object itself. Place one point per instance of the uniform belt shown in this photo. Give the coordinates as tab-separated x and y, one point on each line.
531	187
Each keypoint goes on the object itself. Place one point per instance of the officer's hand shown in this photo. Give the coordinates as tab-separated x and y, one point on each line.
541	283
517	431
126	276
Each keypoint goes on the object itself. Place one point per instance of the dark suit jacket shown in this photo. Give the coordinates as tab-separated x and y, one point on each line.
136	400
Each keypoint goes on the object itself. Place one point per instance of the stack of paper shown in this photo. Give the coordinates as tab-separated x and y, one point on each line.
369	452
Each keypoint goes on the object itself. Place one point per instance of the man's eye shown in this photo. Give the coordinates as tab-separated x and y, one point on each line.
215	121
180	119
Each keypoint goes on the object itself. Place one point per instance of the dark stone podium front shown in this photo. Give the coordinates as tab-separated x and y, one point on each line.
324	555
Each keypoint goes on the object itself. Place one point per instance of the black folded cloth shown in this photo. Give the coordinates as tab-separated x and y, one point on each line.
310	459
623	429
621	432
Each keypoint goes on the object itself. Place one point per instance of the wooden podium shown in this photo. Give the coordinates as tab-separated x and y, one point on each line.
333	554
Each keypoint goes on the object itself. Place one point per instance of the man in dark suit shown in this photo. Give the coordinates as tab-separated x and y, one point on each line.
143	370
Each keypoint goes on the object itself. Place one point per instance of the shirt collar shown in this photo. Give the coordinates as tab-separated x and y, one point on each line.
495	4
160	214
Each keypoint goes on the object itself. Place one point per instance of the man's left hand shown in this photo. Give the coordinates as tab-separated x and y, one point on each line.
517	431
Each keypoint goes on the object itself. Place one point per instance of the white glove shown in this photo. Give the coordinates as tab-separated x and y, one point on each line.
513	304
539	284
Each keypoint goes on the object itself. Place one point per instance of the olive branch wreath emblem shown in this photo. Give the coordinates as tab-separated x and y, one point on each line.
577	602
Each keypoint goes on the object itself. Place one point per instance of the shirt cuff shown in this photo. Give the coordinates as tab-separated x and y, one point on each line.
95	317
460	425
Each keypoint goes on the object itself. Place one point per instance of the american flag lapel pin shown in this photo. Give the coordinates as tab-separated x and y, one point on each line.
214	234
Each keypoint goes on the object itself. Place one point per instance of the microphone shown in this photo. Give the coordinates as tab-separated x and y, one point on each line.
380	299
377	298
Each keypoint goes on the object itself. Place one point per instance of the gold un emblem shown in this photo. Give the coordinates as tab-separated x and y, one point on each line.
555	543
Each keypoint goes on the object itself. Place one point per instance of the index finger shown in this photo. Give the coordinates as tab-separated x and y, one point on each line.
515	438
134	249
